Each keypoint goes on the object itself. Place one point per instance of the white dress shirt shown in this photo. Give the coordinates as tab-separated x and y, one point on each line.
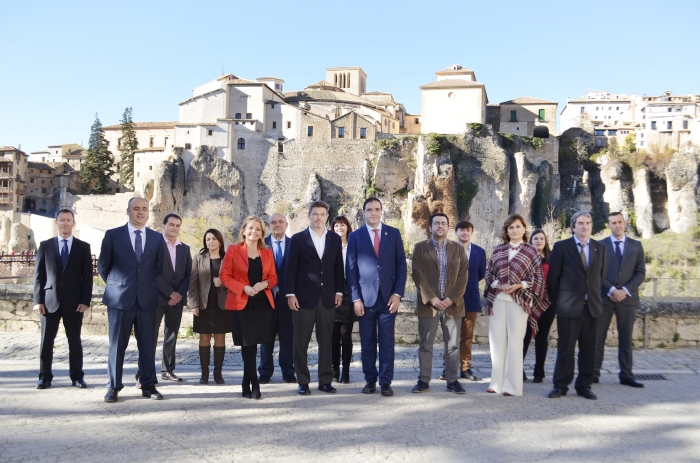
319	241
132	236
468	250
69	243
586	249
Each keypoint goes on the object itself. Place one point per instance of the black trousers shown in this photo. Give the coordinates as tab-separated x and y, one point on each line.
304	321
73	323
624	315
173	318
544	325
342	342
584	330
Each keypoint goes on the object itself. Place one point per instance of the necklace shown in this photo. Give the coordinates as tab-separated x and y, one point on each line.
516	247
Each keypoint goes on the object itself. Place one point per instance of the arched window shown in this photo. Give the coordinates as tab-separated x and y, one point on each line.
348	80
335	79
541	131
342	81
241	143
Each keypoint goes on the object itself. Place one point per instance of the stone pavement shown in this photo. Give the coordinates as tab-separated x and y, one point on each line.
660	423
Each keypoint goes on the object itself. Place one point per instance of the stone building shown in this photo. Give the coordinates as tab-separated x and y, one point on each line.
453	101
156	140
670	120
71	153
13	173
351	79
41	187
528	116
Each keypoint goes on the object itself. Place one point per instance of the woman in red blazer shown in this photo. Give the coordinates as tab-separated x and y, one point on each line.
248	272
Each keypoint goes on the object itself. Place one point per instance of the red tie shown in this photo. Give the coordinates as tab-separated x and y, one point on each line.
376	241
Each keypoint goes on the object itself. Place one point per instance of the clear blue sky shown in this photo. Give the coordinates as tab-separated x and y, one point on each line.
64	61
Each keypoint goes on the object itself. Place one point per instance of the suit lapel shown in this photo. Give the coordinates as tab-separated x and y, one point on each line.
431	251
57	252
573	250
384	234
628	250
364	236
128	241
611	249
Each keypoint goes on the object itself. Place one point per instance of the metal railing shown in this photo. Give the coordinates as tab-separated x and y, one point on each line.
17	266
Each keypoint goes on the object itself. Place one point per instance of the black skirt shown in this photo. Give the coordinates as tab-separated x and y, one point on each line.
253	324
345	313
213	319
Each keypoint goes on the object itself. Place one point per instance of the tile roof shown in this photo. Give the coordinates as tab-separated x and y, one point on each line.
38	165
9	148
144	125
528	100
452	83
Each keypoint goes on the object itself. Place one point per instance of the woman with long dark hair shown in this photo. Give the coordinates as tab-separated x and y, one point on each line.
344	314
207	300
248	271
540	242
515	293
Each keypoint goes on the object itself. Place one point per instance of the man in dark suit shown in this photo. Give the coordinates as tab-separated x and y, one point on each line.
577	268
131	259
375	271
282	315
173	284
472	297
314	283
62	290
625	272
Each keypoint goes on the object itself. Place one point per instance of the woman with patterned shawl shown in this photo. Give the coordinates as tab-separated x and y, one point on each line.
515	294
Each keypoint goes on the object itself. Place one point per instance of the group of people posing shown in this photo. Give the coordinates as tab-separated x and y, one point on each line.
272	286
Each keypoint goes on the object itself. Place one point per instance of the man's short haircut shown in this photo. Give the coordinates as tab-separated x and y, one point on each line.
578	214
170	216
439	214
65	211
269	220
319	203
369	200
464	225
128	205
613	214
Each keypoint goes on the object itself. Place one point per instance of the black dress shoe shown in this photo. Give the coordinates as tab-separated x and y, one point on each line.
556	393
345	376
420	387
264	379
170	376
246	394
386	390
596	380
370	388
537	379
467	374
442	375
42	384
111	395
290	379
152	393
255	393
304	389
630	381
80	384
336	374
587	394
327	388
456	387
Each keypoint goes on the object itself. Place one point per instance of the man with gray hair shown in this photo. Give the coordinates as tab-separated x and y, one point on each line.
577	268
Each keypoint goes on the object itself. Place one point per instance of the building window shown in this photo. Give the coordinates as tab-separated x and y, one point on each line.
599	142
107	142
541	114
289	124
241	143
415	121
669	110
653	125
612	132
274	125
119	142
280	147
272	106
310	131
165	141
248	115
685	125
596	108
600	132
150	142
513	116
363	132
150	167
237	116
209	132
43	190
669	125
188	146
341	132
583	110
277	87
31	180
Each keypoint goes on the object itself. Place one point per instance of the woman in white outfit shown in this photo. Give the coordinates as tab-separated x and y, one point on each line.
515	293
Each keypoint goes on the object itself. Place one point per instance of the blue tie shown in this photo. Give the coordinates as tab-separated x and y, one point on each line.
278	254
618	253
64	253
138	245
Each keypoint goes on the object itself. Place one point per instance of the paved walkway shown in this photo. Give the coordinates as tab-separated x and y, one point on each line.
660	423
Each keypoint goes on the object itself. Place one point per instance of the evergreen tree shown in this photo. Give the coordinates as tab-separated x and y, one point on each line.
98	167
129	144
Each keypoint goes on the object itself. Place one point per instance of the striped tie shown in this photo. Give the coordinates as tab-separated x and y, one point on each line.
138	245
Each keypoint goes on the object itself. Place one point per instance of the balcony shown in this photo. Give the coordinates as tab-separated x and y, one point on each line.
5	190
5	175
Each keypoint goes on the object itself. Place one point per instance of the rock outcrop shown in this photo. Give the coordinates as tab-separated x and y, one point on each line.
643	210
682	181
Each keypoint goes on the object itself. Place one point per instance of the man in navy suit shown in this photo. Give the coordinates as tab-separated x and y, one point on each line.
131	259
62	290
314	288
375	271
472	297
282	315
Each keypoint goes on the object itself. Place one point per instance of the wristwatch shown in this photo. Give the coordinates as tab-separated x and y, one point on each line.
398	295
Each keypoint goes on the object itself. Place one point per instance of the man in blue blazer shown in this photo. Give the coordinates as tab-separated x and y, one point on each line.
375	271
472	297
131	259
282	315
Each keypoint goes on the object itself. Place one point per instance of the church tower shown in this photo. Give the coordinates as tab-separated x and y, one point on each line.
352	79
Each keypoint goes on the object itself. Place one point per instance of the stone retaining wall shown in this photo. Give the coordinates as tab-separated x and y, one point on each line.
668	324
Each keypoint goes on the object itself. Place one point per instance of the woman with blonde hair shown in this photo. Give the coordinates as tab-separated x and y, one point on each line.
248	272
515	293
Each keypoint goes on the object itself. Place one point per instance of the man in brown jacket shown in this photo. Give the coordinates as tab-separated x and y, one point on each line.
440	274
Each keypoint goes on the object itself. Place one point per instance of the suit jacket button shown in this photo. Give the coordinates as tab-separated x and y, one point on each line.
321	284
